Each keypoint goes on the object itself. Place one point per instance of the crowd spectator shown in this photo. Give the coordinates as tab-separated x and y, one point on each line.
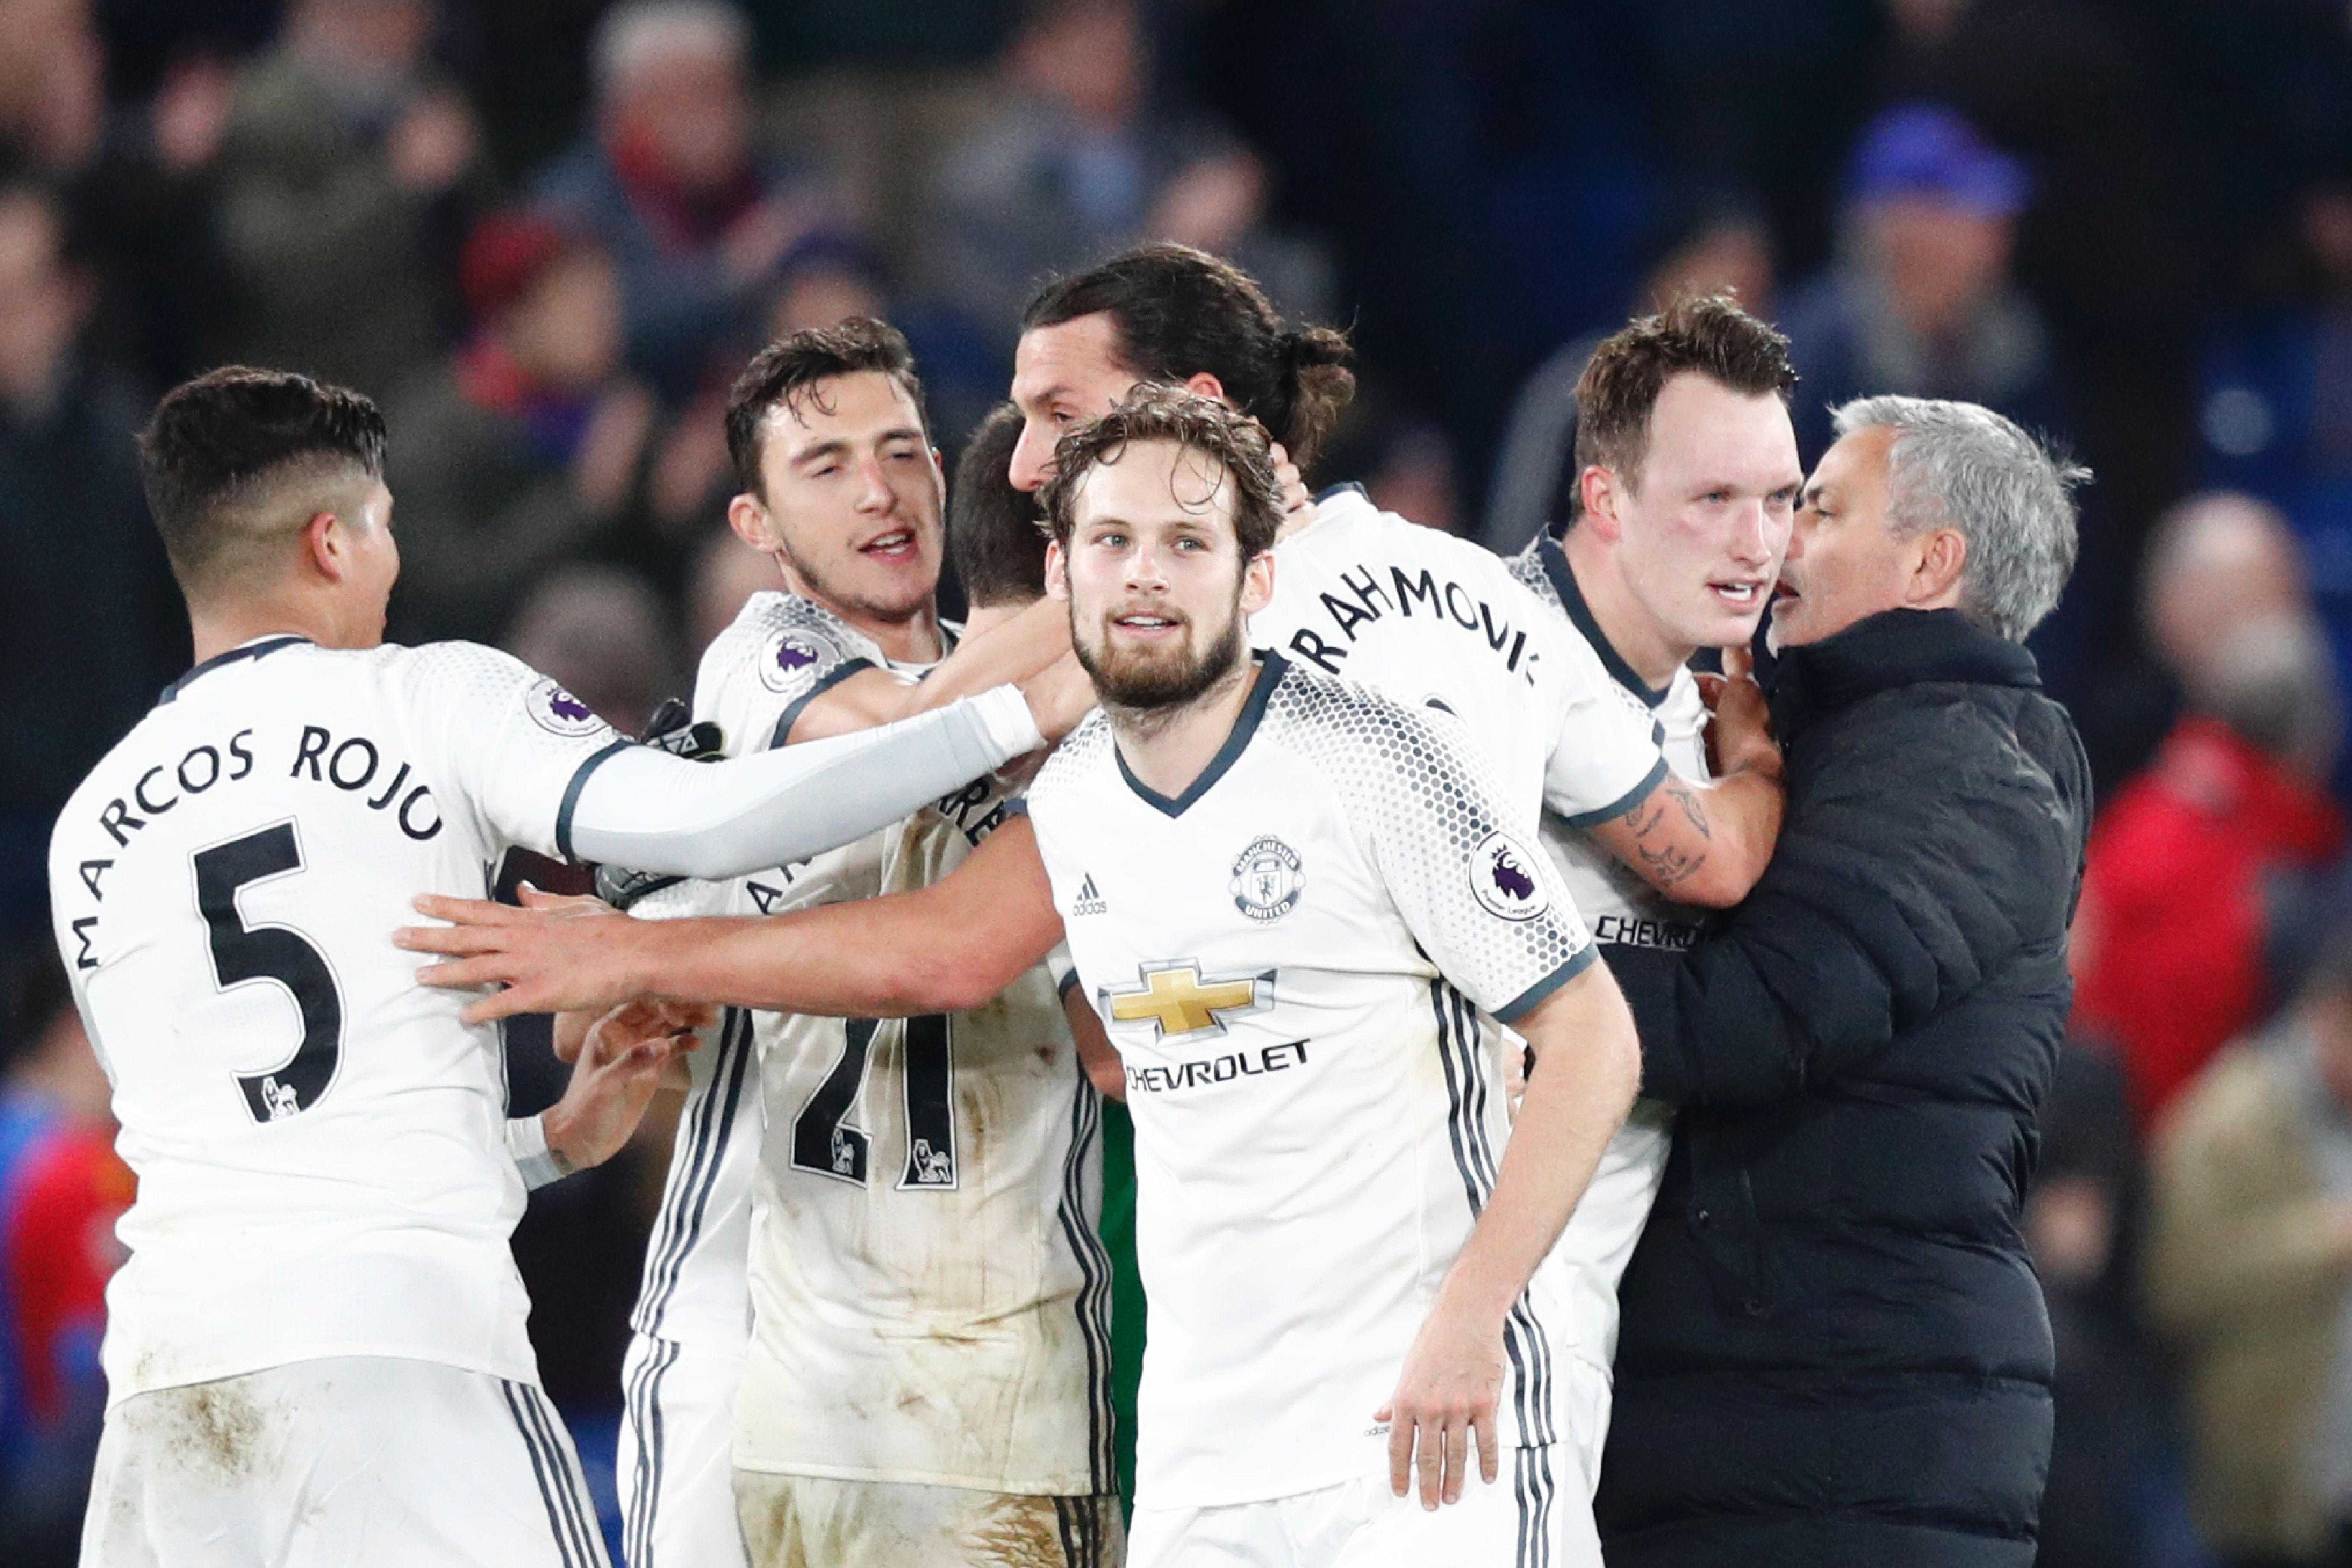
342	170
1708	246
92	629
700	217
2179	901
2250	1254
507	460
1920	300
61	1190
1082	163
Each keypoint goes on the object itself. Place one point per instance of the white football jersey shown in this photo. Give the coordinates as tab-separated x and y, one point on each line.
1431	620
319	1140
1623	911
931	1300
754	679
1291	958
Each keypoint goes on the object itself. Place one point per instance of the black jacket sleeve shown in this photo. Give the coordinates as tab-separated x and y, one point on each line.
1924	847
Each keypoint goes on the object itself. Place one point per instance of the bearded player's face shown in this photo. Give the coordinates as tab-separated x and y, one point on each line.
1158	591
853	495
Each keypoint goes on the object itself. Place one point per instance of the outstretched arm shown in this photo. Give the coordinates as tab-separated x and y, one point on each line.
947	948
1021	647
640	808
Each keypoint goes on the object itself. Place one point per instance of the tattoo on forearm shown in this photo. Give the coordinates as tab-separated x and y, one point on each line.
1693	807
1665	863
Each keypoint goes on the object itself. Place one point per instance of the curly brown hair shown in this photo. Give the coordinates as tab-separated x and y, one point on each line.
1708	334
1154	413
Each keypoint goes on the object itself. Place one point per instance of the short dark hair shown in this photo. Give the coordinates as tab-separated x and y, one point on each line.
1171	414
786	370
1180	311
1708	334
996	537
222	451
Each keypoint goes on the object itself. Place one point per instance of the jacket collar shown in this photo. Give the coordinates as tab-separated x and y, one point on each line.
1893	648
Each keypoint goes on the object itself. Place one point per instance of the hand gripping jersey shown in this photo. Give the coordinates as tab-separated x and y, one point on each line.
1290	957
931	1296
1431	620
319	1140
1623	911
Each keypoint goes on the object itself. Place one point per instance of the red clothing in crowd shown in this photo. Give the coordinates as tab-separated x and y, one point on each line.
2173	901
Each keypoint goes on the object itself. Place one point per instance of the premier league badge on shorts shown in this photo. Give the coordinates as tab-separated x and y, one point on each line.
789	663
559	712
1502	877
1267	882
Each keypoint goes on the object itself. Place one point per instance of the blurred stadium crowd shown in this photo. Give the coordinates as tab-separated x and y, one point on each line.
545	234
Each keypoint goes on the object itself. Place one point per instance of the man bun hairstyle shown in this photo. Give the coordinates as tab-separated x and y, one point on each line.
996	539
236	461
789	370
1180	311
1963	467
1199	424
1707	333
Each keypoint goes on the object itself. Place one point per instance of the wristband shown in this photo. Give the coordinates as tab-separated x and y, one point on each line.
535	1160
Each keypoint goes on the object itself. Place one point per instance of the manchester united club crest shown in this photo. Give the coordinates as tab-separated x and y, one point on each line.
1502	877
1266	880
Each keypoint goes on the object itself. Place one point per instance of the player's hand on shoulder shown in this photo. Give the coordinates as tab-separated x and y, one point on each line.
1060	696
627	1055
1740	733
1297	501
1447	1395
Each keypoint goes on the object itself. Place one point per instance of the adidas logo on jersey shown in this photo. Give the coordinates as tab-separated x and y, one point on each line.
1089	901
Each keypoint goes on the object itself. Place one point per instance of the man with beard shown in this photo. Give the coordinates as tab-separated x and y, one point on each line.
1284	894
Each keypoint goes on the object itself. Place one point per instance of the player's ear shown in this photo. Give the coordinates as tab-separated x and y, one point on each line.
1058	572
325	548
1943	557
748	518
1201	384
1598	487
1258	583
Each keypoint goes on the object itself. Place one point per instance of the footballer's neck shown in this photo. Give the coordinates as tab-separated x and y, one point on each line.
1169	748
215	628
908	640
1651	650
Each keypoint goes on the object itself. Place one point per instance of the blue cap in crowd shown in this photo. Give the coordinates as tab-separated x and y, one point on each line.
1927	150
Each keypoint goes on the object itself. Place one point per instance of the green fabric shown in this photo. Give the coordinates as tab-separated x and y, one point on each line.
1126	1286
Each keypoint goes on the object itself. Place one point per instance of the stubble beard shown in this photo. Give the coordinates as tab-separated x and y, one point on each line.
842	600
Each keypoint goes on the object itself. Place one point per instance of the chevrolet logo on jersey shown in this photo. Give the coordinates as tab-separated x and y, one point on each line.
1178	1001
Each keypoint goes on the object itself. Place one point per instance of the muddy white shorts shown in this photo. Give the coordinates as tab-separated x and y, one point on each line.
811	1521
348	1462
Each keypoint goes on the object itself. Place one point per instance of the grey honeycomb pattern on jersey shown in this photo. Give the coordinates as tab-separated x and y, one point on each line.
1424	804
1080	749
746	638
1528	568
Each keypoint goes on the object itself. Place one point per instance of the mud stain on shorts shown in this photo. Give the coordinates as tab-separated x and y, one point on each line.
218	1432
1015	1532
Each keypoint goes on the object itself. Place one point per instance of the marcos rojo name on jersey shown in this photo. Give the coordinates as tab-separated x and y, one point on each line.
354	764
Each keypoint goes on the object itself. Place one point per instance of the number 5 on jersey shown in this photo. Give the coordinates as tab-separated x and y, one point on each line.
243	953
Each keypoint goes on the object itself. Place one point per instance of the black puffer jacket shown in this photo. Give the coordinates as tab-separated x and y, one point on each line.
1834	1349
